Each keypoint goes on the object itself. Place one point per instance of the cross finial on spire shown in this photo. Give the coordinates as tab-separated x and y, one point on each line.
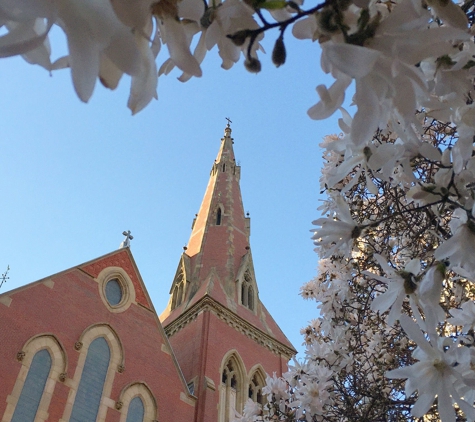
229	121
126	242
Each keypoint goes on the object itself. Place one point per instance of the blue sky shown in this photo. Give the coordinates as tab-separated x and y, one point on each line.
73	176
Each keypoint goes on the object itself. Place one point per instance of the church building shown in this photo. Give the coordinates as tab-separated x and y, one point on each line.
87	344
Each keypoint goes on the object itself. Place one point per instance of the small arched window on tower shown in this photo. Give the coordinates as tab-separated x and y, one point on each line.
224	167
218	216
177	297
247	292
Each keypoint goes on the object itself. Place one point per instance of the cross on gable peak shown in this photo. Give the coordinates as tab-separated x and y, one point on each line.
126	242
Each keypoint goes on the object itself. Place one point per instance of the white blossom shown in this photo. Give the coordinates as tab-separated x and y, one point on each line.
459	248
337	232
435	375
464	317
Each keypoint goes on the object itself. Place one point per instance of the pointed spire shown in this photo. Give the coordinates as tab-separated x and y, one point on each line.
217	263
221	211
220	233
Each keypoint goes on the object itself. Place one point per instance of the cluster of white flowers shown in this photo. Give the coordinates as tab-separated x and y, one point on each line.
109	38
397	231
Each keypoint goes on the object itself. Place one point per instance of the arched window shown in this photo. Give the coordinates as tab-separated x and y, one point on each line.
136	410
30	397
256	384
89	393
231	390
247	292
224	166
138	404
43	364
218	217
177	297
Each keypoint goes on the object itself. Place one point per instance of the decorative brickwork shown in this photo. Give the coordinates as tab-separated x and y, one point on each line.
123	261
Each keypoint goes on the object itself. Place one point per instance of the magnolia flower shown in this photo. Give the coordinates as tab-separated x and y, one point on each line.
388	85
464	317
423	195
400	284
430	289
450	13
459	248
312	396
251	410
296	371
275	388
27	23
336	234
439	369
330	99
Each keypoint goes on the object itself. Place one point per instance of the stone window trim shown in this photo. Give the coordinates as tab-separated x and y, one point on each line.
178	290
219	214
58	369
257	373
126	285
142	390
225	411
247	291
116	364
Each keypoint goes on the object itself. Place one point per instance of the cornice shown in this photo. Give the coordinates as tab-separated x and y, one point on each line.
208	304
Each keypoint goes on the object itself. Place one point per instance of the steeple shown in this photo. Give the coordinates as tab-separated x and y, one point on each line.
216	324
219	242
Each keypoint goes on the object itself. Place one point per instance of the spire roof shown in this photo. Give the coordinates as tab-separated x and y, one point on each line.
217	261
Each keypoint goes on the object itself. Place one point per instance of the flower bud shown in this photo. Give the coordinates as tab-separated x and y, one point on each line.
207	18
279	54
253	65
239	38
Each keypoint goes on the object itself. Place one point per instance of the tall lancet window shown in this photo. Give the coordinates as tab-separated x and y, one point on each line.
218	217
178	290
89	394
247	292
33	388
230	391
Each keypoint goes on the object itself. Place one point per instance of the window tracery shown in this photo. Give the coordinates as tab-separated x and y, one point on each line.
178	291
231	398
256	384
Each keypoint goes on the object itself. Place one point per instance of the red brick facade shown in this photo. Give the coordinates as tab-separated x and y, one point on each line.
66	305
